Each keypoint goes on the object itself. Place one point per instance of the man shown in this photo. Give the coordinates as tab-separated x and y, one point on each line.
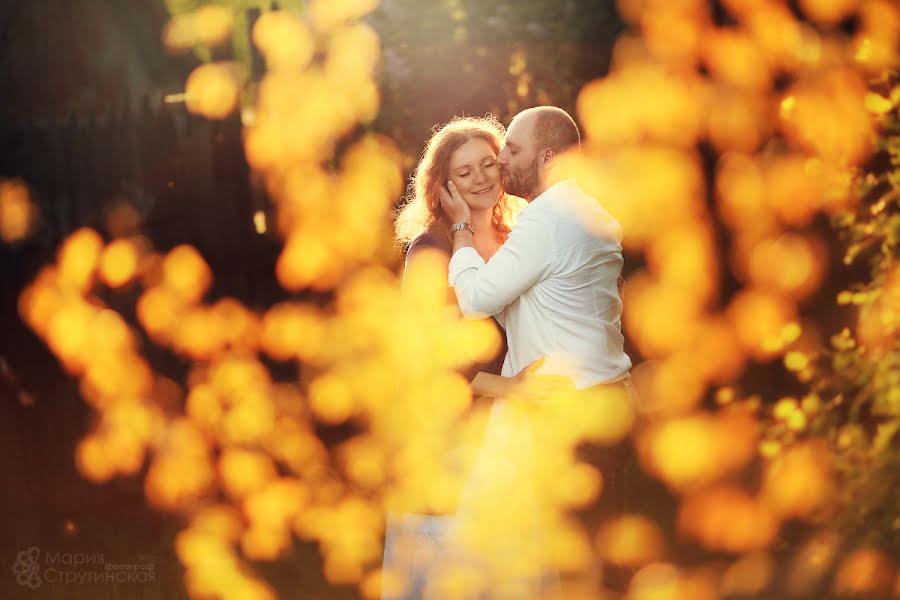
556	282
557	274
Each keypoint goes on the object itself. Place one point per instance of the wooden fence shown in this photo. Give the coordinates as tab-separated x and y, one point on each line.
186	176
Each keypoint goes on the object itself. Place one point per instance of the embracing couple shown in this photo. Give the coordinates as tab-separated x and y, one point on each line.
551	281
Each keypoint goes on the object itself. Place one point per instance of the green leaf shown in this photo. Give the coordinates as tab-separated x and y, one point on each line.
887	403
178	7
884	434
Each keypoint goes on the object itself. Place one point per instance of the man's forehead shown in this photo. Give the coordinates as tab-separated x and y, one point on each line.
519	130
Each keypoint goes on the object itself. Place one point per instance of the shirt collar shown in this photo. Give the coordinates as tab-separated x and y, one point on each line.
566	185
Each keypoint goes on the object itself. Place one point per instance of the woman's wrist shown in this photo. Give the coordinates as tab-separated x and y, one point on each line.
461	226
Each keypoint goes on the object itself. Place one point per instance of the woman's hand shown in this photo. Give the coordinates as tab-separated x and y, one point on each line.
454	206
527	385
538	387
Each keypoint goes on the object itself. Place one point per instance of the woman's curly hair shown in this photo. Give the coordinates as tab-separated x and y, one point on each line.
422	209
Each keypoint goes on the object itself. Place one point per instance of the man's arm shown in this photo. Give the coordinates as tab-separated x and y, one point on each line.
487	288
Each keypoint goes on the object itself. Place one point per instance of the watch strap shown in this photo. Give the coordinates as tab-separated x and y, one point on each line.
460	226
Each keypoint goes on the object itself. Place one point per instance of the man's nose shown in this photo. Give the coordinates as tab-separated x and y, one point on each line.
502	158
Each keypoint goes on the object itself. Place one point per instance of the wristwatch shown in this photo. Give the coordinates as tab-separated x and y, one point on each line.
460	226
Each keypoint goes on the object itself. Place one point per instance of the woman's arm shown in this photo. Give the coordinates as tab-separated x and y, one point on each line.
528	383
425	269
492	386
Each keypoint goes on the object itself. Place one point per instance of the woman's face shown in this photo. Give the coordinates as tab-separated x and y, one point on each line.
474	171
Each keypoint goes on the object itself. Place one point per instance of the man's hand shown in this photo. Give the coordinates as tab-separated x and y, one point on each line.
453	204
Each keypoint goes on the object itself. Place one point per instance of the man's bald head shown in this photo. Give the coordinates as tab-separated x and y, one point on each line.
551	127
533	141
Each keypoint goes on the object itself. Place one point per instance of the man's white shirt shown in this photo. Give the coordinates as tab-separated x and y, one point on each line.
553	286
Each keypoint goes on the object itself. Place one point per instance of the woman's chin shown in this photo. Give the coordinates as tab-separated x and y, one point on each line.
483	203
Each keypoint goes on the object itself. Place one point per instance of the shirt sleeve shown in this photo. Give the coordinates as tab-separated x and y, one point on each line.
486	288
500	317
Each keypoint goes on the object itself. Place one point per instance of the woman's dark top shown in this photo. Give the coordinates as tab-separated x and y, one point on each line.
432	239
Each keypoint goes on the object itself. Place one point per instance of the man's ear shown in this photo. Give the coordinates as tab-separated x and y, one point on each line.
548	157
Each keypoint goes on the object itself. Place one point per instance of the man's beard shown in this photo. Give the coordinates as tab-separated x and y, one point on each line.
522	182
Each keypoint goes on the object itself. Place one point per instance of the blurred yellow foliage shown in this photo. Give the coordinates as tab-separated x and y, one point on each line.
119	263
209	24
727	518
285	41
18	214
212	90
663	581
798	481
749	575
864	571
630	540
698	448
326	14
242	459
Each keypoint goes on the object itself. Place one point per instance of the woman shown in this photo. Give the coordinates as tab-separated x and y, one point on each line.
463	151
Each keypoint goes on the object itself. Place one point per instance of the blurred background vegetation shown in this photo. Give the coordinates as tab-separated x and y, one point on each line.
443	58
81	61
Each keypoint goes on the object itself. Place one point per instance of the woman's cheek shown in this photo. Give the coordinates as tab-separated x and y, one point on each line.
460	185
